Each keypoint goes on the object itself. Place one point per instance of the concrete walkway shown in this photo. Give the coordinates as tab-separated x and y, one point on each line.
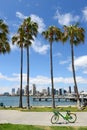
38	118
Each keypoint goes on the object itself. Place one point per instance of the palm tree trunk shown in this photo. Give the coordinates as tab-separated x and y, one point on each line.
20	99
28	101
74	76
51	69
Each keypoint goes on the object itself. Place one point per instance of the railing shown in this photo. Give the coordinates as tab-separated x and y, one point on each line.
46	98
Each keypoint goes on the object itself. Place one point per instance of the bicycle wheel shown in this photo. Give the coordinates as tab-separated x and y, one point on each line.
72	117
54	119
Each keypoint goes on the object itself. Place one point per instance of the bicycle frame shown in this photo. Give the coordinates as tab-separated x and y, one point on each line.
66	117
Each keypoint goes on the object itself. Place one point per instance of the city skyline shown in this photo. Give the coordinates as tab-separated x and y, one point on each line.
34	90
51	12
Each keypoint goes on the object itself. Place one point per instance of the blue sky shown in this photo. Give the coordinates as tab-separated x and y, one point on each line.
45	13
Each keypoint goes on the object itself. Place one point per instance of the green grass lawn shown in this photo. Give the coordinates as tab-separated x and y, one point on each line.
45	109
31	127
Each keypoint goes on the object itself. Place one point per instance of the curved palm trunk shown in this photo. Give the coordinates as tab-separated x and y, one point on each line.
51	69
20	99
74	76
28	101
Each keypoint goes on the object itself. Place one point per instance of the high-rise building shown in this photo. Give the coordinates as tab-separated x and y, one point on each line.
22	91
48	91
18	91
69	89
60	91
25	90
34	89
13	91
44	91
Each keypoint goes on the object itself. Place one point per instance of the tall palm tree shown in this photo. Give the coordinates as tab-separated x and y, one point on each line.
4	44
75	35
52	34
31	30
19	40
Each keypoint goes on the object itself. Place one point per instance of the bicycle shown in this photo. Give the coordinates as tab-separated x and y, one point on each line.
70	117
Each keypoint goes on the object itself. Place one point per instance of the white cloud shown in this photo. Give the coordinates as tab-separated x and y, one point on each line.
2	76
67	61
80	63
39	80
66	19
85	71
63	62
81	80
58	54
20	15
84	11
38	47
40	22
42	80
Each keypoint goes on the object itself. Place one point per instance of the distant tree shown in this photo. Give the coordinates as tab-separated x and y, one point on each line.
75	35
52	34
18	39
30	30
4	44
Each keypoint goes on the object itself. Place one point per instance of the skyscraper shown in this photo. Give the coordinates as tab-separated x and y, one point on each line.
69	89
48	91
34	89
13	91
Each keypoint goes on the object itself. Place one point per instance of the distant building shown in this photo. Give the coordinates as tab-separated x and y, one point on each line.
44	91
13	91
57	92
22	91
70	89
60	91
54	91
6	94
18	91
25	90
48	91
34	90
64	91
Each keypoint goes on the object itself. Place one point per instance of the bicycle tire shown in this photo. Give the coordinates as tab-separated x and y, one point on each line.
72	118
54	119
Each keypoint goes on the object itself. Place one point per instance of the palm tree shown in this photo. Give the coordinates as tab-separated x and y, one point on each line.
52	34
31	30
75	35
19	40
4	44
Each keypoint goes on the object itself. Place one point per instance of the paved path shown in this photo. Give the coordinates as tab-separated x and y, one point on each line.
38	118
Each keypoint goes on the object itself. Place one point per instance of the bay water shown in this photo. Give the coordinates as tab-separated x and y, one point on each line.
14	101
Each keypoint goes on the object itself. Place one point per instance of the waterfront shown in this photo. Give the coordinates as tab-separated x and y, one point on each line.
14	101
